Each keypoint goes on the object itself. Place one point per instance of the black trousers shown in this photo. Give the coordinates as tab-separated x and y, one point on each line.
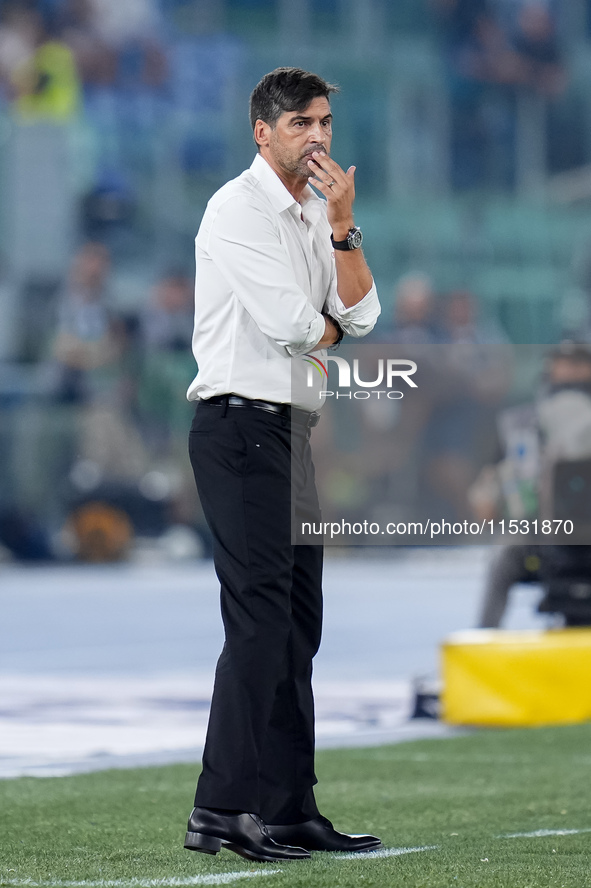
259	751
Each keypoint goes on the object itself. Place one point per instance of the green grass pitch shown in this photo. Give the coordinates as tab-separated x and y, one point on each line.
457	799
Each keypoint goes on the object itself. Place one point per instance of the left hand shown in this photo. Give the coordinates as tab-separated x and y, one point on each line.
338	187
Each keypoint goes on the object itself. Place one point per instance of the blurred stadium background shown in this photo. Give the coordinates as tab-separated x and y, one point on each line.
470	125
469	122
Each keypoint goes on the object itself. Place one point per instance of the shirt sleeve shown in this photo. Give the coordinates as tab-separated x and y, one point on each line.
244	242
359	319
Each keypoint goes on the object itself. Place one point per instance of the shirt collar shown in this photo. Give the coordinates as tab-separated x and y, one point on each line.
278	193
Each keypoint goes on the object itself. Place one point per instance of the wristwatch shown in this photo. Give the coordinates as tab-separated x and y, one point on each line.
353	240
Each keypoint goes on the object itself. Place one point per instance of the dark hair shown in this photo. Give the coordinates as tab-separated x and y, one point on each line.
286	89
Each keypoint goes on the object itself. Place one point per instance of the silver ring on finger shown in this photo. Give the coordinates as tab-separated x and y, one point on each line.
330	184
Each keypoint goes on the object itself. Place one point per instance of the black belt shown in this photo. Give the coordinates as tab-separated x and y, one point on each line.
293	413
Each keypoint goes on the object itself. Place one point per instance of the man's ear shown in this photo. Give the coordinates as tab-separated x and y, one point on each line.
262	132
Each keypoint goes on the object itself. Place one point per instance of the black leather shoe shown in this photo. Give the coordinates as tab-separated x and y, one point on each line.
320	835
246	834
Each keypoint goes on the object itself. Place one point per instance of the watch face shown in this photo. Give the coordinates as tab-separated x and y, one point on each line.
355	238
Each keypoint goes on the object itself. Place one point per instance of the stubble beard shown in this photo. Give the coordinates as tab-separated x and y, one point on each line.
296	165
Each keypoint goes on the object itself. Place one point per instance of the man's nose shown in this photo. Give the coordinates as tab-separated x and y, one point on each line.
316	134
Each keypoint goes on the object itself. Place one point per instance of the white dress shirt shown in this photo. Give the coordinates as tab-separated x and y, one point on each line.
265	270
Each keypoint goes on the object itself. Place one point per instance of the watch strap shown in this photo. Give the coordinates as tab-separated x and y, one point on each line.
347	243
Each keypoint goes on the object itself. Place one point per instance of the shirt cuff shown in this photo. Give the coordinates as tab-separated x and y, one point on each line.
315	334
359	319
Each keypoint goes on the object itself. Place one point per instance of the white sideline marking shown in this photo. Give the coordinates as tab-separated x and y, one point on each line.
173	882
544	832
384	852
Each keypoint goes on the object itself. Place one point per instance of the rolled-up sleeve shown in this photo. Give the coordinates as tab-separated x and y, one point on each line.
245	245
359	319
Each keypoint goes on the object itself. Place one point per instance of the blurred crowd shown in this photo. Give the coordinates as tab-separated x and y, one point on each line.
113	372
125	61
129	84
112	398
497	53
415	458
493	431
50	50
423	316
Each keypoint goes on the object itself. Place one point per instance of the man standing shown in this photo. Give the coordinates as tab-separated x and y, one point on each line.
270	287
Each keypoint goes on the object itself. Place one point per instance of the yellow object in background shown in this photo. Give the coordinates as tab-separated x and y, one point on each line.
48	85
498	677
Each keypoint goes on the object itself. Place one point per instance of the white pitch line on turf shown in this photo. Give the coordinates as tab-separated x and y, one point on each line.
385	852
172	882
544	832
